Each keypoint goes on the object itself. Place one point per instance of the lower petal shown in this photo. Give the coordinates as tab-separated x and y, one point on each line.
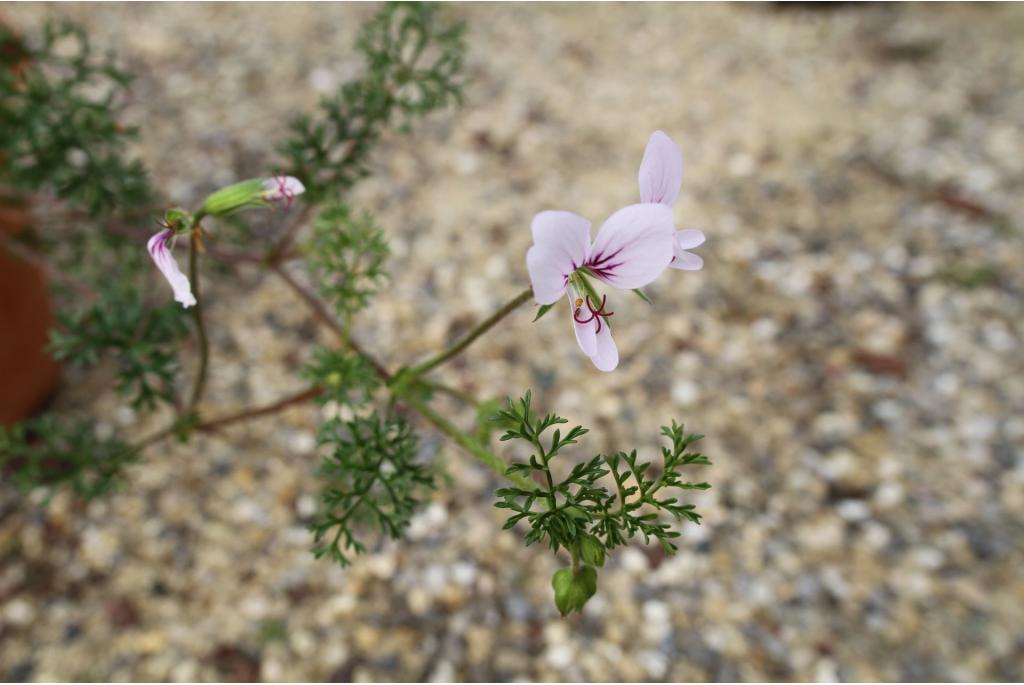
164	260
182	290
606	356
586	335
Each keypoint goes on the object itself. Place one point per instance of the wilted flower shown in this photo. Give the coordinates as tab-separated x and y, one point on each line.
661	176
252	193
632	248
282	189
255	192
160	247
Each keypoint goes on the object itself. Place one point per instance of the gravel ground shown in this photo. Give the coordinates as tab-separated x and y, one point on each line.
852	351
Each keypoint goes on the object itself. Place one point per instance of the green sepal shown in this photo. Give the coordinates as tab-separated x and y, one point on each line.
177	219
581	280
573	588
642	295
542	310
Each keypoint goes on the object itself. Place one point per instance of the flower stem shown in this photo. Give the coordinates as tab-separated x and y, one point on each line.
197	313
276	254
460	395
461	438
218	422
491	460
263	410
322	315
470	337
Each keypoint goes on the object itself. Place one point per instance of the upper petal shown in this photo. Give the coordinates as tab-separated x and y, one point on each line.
681	259
661	170
547	275
689	239
606	356
561	245
633	246
563	232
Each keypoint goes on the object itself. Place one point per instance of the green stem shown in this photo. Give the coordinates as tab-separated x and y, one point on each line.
467	443
470	337
197	313
544	457
321	313
462	439
464	397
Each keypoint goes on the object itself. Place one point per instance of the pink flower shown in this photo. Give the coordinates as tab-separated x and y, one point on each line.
632	248
661	176
282	189
159	247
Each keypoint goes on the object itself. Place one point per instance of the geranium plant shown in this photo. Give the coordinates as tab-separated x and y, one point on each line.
60	141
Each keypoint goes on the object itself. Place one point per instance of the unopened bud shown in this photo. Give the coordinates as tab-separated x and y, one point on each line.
591	551
573	588
236	197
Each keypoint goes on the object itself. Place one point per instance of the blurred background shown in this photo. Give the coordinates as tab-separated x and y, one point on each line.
852	350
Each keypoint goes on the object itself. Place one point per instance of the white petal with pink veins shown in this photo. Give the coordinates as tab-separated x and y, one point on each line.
164	260
633	246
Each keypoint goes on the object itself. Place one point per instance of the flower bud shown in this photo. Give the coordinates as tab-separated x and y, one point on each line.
236	197
573	588
591	550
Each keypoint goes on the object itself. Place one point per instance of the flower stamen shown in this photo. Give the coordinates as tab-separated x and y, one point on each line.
595	313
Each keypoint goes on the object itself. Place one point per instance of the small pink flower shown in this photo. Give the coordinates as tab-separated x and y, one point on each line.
282	189
661	176
632	248
159	247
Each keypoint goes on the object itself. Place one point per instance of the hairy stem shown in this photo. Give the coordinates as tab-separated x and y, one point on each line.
278	252
197	314
264	410
247	414
460	395
322	315
491	460
462	439
471	337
